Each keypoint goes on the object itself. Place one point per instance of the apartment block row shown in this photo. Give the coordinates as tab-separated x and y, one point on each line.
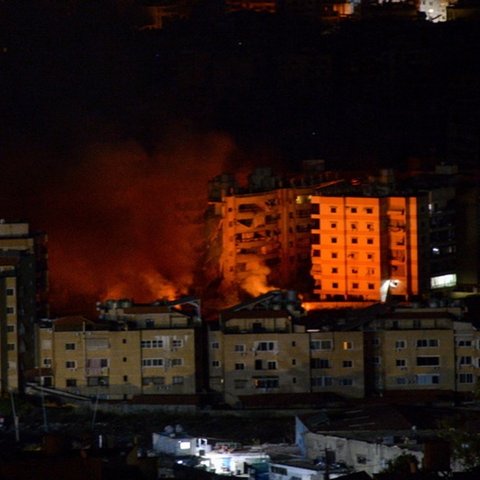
259	351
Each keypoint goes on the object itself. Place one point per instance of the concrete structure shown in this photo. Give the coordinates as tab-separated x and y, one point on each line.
23	290
366	246
261	234
141	350
365	439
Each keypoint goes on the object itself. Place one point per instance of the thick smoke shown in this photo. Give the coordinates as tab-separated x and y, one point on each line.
124	223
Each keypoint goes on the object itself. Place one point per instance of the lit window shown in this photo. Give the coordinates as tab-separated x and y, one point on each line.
347	345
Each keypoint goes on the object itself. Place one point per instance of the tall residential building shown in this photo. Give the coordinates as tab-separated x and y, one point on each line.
261	234
23	300
368	245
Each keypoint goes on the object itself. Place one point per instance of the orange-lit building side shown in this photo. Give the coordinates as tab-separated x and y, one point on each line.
265	238
264	6
364	248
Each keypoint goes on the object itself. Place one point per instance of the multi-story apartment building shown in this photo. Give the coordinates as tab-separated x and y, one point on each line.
366	245
263	231
23	289
257	350
135	350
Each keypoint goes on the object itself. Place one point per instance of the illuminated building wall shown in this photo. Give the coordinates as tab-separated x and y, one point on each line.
23	290
268	6
366	247
263	237
434	10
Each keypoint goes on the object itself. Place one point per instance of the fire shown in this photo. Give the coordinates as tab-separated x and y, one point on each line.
256	283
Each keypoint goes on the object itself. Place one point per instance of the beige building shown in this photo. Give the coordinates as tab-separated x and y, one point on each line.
142	350
366	247
23	290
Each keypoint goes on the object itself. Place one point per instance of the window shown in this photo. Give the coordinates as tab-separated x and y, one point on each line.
70	364
322	381
333	225
10	291
215	345
428	361
369	241
369	256
465	378
333	209
69	346
177	343
353	226
151	344
334	270
294	361
400	380
428	379
427	342
369	210
153	381
98	381
333	240
71	382
47	362
347	363
347	345
266	382
400	362
354	240
371	286
265	346
377	361
176	362
320	363
97	363
239	366
10	328
334	285
10	310
353	210
464	343
465	360
177	380
239	348
10	347
370	227
400	344
345	382
321	345
272	365
355	286
294	344
361	459
215	363
334	255
152	362
125	378
279	470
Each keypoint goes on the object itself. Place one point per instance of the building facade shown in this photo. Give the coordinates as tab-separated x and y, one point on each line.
23	300
136	350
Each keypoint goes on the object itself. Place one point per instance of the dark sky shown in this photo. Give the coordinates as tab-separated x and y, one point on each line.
106	129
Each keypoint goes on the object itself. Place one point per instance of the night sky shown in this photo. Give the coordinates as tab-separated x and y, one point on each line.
106	129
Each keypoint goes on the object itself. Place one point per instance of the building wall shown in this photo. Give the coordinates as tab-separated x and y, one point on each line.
120	364
368	247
